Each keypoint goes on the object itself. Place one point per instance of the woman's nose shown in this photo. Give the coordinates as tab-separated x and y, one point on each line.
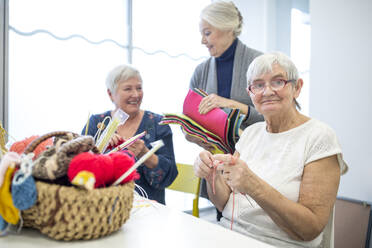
135	93
203	40
268	90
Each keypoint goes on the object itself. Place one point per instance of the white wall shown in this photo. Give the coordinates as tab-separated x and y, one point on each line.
341	84
341	54
266	24
254	23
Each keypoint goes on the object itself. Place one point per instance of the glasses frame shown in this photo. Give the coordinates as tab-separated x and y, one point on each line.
285	83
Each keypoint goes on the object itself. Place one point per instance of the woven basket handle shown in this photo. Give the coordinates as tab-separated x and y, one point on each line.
78	145
31	147
74	147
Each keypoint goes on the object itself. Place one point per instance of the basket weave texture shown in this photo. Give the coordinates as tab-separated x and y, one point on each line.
70	213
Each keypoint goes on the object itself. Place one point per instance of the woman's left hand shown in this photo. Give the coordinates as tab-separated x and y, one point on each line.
138	148
212	101
235	173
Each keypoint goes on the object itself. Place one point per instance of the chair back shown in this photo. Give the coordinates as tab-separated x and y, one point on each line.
352	223
187	182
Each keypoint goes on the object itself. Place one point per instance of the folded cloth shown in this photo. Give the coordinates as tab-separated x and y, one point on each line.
194	129
3	226
7	209
215	120
9	159
24	192
217	127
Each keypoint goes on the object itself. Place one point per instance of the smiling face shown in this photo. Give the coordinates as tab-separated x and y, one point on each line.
270	102
217	41
128	95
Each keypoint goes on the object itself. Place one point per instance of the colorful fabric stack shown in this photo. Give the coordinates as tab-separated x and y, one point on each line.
217	127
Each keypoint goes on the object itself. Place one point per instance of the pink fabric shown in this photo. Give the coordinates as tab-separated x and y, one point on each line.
8	158
214	121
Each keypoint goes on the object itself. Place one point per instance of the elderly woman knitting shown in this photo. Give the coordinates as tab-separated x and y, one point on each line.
281	183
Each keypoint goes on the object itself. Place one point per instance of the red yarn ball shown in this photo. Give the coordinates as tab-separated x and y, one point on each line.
106	168
100	165
122	163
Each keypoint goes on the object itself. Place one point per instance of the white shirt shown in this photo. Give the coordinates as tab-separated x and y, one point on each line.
279	159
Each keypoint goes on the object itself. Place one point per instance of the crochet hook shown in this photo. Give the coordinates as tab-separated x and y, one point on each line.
128	142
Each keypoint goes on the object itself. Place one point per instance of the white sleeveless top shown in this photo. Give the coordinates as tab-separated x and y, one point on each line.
279	159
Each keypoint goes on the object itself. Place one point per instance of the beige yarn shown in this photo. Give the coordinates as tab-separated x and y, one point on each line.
70	213
54	161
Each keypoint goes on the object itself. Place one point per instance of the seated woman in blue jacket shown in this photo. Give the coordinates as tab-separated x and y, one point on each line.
124	87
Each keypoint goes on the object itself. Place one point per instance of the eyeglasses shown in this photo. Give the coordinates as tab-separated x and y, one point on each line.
258	87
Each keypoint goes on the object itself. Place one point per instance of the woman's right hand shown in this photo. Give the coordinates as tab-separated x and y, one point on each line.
115	140
213	101
203	165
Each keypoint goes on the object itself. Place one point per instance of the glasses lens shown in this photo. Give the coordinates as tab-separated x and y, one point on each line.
257	87
277	84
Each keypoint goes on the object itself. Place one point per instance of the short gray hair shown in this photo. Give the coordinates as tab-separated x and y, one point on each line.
121	73
263	64
224	16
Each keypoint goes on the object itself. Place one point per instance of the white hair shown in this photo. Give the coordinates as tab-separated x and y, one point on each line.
224	16
264	64
121	73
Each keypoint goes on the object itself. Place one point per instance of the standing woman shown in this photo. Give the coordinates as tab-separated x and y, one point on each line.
223	75
124	87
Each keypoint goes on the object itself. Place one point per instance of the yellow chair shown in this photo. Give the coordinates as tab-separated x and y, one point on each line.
187	182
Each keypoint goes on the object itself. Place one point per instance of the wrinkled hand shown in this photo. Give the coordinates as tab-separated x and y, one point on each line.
203	165
205	145
138	148
212	101
235	172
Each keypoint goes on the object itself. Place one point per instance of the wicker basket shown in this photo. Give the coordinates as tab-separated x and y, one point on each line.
70	213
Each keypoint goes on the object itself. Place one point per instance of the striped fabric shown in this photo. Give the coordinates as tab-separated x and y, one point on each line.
217	127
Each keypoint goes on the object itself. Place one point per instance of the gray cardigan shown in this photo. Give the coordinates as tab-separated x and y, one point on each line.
205	78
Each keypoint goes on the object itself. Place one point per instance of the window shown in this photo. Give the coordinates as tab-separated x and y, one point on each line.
300	52
58	61
61	51
167	48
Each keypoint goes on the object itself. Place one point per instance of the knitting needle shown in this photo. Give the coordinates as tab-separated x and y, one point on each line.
128	142
156	145
87	125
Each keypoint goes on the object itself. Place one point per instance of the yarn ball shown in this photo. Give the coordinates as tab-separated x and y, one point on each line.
106	168
20	146
122	162
24	192
100	165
